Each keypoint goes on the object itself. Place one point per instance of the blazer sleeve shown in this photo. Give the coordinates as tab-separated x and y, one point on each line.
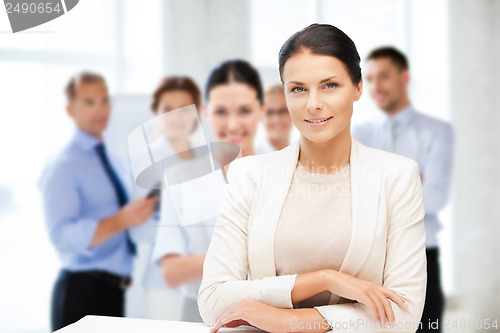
225	268
405	269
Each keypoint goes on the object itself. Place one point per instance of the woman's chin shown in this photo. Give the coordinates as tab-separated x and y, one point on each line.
323	137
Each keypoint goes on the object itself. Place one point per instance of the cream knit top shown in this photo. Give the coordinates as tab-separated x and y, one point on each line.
314	229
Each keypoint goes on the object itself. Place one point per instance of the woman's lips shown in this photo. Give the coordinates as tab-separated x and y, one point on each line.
234	137
319	122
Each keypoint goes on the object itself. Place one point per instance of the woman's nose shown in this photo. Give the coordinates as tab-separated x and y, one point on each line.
233	123
314	102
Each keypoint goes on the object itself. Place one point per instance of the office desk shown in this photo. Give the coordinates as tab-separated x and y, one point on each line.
102	324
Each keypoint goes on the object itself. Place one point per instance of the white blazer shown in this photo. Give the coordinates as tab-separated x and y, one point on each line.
387	245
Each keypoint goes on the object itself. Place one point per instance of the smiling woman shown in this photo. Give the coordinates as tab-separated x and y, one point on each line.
326	259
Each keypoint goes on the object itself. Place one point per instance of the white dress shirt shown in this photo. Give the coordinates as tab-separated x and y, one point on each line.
426	140
172	238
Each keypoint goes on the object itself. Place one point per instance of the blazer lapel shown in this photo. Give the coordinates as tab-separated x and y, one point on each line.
277	179
365	192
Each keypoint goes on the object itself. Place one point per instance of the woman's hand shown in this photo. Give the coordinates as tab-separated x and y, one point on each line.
374	297
254	313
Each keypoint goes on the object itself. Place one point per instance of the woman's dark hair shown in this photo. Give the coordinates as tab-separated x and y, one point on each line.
235	71
171	83
323	39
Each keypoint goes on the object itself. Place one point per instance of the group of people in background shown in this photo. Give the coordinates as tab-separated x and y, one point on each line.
86	192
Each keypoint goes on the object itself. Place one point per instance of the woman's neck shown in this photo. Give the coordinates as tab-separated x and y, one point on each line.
326	157
182	147
179	144
279	144
247	151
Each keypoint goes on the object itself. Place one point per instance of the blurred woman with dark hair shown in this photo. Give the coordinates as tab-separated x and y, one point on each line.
233	108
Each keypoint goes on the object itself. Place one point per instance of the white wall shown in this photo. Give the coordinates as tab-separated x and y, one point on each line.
474	100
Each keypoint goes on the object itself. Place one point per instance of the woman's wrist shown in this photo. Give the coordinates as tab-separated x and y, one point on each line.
309	284
327	278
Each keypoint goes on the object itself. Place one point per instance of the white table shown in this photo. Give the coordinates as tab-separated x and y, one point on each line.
102	324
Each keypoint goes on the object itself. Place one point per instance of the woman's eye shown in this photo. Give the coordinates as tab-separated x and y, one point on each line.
297	89
220	112
246	111
330	85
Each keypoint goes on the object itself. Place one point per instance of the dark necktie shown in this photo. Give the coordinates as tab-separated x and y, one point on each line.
121	194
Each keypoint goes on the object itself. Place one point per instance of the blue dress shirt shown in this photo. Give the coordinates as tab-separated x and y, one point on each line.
426	140
77	194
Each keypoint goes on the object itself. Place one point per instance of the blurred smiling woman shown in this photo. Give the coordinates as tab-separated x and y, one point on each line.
329	231
234	103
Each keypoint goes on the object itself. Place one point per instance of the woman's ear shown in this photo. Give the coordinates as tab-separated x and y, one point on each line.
204	110
359	90
262	112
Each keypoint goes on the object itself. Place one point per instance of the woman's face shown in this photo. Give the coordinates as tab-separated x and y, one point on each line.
178	124
234	111
319	94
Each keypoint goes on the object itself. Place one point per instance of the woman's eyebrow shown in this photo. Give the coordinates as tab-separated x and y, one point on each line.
322	81
295	82
329	78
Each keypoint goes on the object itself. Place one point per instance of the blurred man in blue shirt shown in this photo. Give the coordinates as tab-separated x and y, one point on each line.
427	140
88	213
